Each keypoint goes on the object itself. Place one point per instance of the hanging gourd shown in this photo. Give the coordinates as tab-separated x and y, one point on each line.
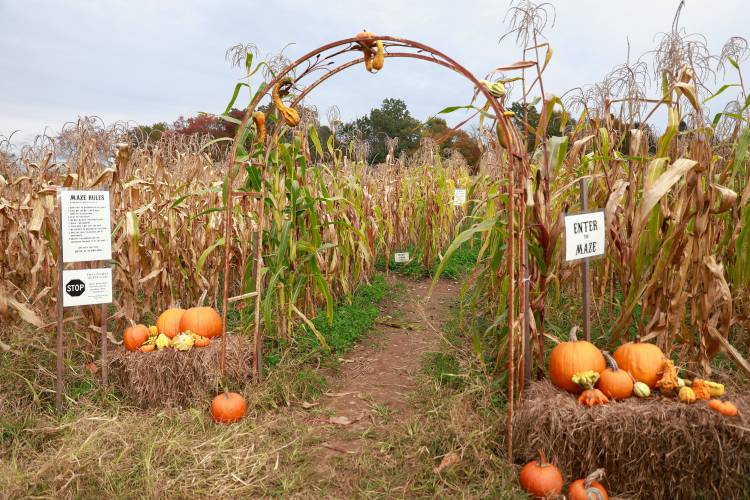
574	356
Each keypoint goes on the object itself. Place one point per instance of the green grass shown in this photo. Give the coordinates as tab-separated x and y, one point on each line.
443	368
461	262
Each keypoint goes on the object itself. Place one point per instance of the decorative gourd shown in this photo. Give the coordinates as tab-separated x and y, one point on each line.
134	337
148	347
613	382
162	342
201	341
153	331
590	396
668	381
726	408
642	360
228	408
379	58
700	389
203	321
686	395
169	321
569	358
183	342
290	115
589	488
714	388
259	118
641	390
540	478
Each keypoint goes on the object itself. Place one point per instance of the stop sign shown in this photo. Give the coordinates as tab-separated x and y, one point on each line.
75	288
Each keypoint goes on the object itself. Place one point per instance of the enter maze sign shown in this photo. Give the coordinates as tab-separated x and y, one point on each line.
585	236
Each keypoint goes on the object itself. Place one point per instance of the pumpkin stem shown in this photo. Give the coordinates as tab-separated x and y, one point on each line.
597	475
572	334
542	458
611	361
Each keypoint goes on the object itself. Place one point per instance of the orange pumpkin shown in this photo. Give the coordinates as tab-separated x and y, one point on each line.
134	337
642	360
204	321
169	322
228	408
569	358
613	382
202	342
148	348
541	479
589	488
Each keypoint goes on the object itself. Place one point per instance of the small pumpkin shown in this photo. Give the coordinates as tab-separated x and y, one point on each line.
134	337
613	382
700	389
169	321
204	321
642	359
687	395
202	342
590	396
641	390
148	347
574	356
228	408
589	488
540	478
726	408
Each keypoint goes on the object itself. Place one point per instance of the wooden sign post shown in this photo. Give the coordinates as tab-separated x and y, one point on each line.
585	237
85	236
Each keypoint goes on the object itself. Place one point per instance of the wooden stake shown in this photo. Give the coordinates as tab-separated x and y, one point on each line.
585	272
60	341
257	338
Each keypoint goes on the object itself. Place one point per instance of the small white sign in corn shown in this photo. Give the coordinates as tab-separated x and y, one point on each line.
400	257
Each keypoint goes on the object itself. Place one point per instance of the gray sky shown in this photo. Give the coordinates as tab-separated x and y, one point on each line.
154	60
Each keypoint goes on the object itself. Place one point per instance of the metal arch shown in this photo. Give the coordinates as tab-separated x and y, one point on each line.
517	157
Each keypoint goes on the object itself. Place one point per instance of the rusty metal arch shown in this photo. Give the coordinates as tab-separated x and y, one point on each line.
323	59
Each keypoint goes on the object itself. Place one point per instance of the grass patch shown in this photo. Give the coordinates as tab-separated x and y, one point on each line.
443	368
461	262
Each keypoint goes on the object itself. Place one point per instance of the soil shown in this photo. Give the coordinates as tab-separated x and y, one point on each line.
373	387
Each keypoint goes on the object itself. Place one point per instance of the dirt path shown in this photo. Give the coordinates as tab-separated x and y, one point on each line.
373	387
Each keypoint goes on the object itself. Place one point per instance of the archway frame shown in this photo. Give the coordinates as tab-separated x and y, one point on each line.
323	59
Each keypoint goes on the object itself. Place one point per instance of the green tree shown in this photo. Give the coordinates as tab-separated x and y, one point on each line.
528	114
391	119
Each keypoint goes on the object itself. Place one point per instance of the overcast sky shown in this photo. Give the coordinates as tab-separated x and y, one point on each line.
154	60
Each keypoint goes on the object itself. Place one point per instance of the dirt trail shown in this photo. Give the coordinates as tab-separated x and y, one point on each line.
373	387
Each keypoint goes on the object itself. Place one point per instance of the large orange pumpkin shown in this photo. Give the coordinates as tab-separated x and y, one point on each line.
134	337
541	479
169	322
642	360
614	382
204	321
589	488
228	408
569	358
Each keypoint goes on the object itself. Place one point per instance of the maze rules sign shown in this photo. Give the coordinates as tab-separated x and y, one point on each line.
585	236
86	226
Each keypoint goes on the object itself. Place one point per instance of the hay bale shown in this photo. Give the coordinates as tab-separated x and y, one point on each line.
650	448
173	378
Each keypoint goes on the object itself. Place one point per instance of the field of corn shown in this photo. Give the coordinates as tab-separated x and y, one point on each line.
671	177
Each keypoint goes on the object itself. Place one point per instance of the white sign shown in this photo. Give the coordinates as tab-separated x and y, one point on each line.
584	235
401	257
459	197
82	287
86	226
